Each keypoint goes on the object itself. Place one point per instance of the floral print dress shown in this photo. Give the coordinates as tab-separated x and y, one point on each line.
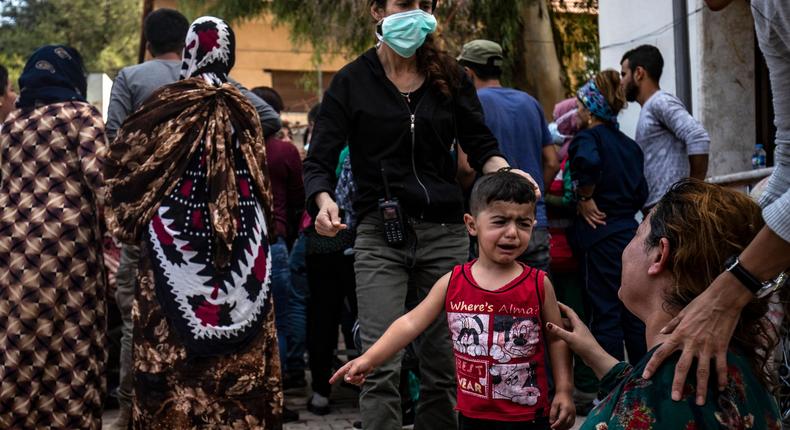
634	403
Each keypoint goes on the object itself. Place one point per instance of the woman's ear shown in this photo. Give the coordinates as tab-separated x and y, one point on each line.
660	258
469	220
376	12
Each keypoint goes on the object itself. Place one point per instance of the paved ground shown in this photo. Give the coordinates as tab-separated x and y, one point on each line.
344	411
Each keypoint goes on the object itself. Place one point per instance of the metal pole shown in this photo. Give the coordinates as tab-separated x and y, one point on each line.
682	57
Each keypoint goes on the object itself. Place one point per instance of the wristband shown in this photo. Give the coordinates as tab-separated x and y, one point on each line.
582	198
733	265
504	169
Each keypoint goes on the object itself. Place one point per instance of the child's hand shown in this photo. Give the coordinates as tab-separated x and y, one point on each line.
563	411
355	371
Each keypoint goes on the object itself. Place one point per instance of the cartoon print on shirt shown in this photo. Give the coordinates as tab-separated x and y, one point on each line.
515	382
469	333
514	337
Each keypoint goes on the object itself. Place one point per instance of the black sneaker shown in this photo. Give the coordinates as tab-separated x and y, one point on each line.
290	416
357	425
294	380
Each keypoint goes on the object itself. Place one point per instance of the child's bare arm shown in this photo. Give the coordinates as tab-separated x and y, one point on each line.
563	411
404	330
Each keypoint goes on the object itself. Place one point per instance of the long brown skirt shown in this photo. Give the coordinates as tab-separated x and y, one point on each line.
235	391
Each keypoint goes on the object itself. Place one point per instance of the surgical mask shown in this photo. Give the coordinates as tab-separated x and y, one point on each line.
556	137
405	32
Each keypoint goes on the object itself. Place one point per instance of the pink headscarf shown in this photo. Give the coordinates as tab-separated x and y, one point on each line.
565	118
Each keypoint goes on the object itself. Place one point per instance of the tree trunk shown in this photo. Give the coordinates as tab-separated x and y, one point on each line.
148	7
538	70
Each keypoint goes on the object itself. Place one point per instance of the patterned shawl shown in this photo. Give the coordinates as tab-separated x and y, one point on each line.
187	176
155	144
209	51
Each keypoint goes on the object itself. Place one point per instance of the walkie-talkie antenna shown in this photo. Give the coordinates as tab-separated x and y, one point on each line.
386	184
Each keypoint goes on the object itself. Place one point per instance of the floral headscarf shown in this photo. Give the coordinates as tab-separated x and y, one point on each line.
596	103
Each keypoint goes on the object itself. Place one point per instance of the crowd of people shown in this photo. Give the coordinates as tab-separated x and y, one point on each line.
487	268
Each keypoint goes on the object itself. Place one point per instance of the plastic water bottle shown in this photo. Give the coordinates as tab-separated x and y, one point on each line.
758	158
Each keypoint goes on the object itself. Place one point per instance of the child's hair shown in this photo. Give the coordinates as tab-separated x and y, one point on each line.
503	187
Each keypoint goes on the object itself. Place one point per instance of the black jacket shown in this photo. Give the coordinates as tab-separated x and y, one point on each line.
605	157
364	109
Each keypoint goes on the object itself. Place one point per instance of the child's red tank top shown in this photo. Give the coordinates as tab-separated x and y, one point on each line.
497	337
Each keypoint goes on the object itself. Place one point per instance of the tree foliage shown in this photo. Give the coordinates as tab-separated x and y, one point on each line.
346	26
105	32
578	46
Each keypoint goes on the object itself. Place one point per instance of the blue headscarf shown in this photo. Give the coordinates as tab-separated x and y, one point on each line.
596	103
53	74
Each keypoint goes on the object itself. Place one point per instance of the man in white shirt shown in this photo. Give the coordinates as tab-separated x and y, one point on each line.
674	143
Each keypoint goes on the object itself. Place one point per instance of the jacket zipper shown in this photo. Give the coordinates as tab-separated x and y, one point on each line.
412	120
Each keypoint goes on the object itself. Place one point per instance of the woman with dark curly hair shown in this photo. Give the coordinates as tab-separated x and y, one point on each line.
678	250
400	107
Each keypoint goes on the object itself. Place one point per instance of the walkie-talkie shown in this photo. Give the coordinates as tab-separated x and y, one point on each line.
392	218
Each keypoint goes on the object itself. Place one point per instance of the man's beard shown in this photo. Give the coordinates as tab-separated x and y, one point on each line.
631	91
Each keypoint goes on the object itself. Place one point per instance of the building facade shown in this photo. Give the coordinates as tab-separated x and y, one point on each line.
729	90
266	56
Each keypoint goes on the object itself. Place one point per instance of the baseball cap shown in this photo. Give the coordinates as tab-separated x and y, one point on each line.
483	52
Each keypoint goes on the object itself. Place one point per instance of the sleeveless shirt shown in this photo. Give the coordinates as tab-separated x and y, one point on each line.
498	343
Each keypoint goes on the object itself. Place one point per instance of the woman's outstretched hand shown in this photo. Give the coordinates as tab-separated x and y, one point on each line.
353	372
582	342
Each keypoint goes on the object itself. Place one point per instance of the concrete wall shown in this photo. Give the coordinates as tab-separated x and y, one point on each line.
722	68
622	21
726	100
99	87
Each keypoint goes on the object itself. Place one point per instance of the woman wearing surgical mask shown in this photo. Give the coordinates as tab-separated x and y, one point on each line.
400	107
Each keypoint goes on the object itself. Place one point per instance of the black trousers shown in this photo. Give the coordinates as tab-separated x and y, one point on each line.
610	322
330	278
